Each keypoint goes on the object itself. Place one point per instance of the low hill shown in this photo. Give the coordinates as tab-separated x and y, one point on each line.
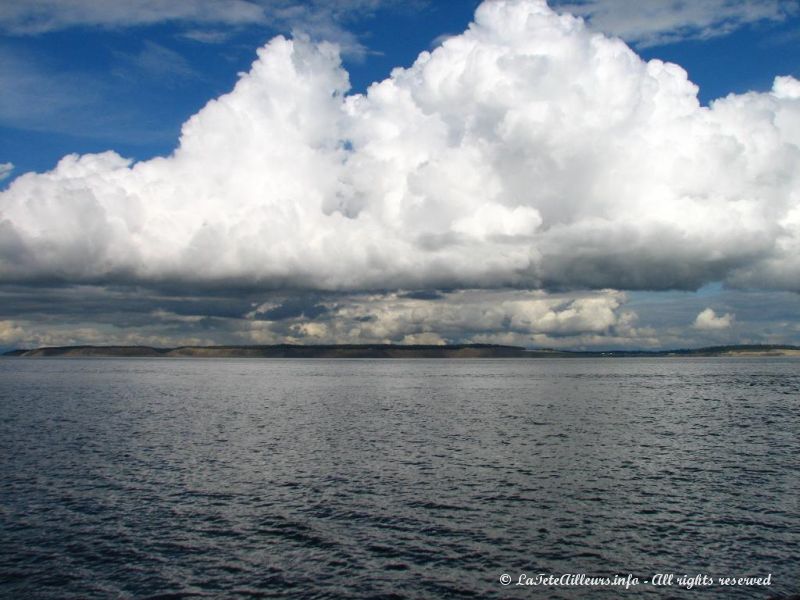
280	351
385	351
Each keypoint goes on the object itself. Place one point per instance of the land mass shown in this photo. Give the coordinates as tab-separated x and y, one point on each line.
384	351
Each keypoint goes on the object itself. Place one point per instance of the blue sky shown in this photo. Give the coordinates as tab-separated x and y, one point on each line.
130	87
83	77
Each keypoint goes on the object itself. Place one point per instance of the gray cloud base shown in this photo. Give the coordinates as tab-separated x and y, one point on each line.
526	152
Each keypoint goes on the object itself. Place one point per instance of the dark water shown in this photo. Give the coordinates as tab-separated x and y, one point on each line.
396	479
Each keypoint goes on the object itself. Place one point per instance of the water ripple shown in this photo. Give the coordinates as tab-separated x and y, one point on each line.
394	479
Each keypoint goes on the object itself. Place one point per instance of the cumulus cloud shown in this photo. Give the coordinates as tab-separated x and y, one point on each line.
654	22
11	332
525	318
527	152
710	321
65	315
5	170
466	315
498	316
27	334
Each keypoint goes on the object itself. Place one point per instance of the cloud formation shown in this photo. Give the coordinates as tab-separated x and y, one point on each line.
67	315
708	320
496	316
525	152
5	170
503	316
655	22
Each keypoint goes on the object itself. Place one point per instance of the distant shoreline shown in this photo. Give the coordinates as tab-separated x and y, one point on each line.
388	351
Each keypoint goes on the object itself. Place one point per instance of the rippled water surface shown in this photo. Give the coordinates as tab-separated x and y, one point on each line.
396	479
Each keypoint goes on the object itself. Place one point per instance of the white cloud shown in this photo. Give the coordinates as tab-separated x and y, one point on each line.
5	170
654	22
426	339
525	152
709	321
10	332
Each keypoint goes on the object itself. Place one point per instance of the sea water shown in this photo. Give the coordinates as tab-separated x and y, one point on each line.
575	478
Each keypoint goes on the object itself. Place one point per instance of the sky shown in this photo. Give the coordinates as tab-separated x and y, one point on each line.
592	174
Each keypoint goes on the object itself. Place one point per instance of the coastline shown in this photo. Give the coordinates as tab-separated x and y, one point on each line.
389	351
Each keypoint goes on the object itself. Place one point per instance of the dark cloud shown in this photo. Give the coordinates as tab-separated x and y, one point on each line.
301	306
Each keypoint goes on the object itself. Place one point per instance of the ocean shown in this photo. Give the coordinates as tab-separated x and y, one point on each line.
576	478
